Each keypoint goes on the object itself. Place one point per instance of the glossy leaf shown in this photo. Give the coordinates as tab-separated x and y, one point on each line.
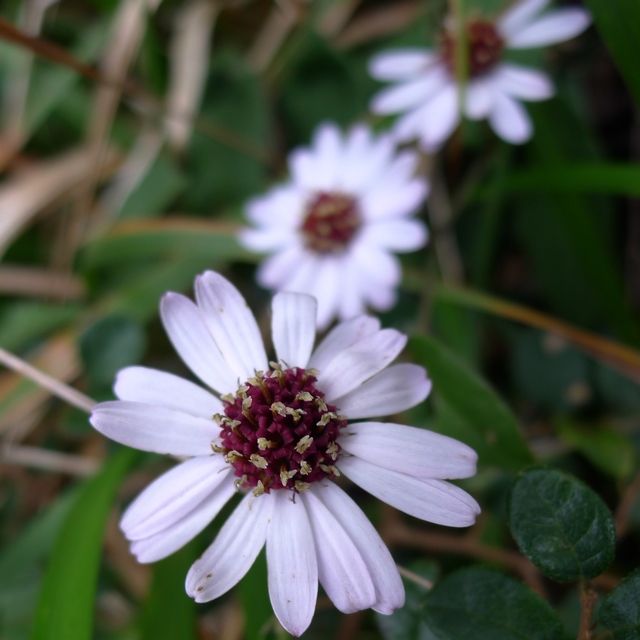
65	608
561	525
492	429
619	614
481	603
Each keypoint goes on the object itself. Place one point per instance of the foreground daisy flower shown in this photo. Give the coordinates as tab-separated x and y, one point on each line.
281	436
427	91
334	227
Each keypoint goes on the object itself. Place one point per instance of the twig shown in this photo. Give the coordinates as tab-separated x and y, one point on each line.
63	391
414	577
588	598
628	499
45	460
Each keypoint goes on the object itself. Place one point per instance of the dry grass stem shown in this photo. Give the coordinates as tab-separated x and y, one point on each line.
46	460
189	55
55	386
279	23
24	195
40	283
414	577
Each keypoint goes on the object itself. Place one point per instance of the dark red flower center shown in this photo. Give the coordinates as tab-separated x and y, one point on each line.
279	433
331	221
484	48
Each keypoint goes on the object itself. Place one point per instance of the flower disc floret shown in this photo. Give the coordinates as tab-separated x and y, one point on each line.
331	222
484	48
279	433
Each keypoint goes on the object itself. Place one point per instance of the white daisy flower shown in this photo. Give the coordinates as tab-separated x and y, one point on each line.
427	91
279	433
334	226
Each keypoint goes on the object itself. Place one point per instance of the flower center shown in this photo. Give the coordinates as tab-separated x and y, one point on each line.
331	221
484	48
279	433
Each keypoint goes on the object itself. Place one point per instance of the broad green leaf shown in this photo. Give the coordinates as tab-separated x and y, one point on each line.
65	608
155	191
25	322
168	611
602	178
481	603
254	597
608	450
177	238
493	429
619	25
561	525
112	343
407	623
619	614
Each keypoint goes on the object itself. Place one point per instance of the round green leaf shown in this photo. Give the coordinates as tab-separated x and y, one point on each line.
561	525
620	611
481	603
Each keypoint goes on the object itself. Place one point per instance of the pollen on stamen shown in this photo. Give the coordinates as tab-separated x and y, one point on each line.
284	438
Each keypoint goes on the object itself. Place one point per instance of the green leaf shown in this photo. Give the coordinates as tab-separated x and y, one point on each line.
561	525
109	345
619	25
407	622
608	450
168	611
65	608
619	613
481	603
492	430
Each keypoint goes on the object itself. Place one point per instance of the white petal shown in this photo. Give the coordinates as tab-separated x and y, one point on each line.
190	337
440	119
376	265
292	564
510	120
394	389
435	501
157	429
231	324
522	82
281	207
365	160
293	327
409	94
394	201
234	550
409	450
173	495
382	568
380	297
328	289
150	386
395	235
266	240
556	26
169	540
342	337
341	569
277	269
479	95
400	64
318	168
354	284
350	368
519	14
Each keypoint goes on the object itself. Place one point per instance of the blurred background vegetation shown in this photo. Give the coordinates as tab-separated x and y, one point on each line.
133	131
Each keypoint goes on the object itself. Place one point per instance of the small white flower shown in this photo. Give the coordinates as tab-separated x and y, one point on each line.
283	447
334	226
427	92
